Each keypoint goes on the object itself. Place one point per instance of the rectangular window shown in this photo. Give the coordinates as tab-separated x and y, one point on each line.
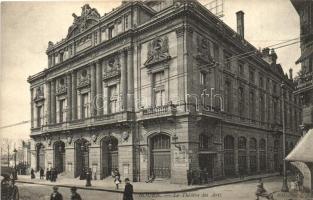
227	60
113	96
39	110
85	106
241	102
216	52
251	75
261	82
62	110
241	68
262	108
252	105
111	32
202	78
275	110
158	89
228	96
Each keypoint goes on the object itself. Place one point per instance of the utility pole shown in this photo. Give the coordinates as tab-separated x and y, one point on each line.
8	155
285	186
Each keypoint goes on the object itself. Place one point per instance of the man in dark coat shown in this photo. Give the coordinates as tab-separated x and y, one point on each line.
48	174
74	194
55	194
42	173
32	174
128	191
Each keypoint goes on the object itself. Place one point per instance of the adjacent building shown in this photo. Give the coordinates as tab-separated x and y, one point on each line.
159	88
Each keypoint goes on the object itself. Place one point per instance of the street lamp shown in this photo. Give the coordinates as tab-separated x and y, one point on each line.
15	171
285	185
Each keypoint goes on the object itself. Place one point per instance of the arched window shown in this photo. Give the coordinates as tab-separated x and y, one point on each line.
242	155
229	162
253	155
262	152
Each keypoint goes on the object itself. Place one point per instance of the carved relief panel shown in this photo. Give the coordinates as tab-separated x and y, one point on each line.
158	51
112	68
61	87
83	78
203	54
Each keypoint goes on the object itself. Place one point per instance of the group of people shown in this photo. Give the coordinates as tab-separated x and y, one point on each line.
56	195
51	174
197	176
127	195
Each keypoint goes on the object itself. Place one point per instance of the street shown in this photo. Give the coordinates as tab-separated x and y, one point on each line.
240	191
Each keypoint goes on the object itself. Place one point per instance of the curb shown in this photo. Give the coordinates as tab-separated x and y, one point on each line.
152	192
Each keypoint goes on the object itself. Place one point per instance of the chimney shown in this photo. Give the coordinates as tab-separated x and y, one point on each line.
273	56
290	74
240	23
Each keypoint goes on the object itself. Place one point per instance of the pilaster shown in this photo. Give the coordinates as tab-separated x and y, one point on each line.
99	98
130	79
74	95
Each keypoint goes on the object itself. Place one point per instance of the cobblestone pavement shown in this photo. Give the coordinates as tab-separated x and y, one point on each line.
239	191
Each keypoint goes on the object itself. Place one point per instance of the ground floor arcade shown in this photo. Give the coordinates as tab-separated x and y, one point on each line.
163	148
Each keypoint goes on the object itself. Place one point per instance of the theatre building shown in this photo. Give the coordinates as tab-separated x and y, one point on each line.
157	88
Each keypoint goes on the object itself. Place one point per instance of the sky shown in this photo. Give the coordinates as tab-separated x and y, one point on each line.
27	27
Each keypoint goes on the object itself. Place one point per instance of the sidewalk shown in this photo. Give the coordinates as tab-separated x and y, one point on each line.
157	187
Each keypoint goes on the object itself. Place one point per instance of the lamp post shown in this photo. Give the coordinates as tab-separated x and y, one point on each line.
15	171
285	185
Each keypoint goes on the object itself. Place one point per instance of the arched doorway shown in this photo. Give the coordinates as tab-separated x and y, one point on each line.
229	160
160	160
40	151
262	153
82	156
253	155
242	155
109	156
59	156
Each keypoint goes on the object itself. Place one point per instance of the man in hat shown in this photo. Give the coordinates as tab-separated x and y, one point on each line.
55	194
128	191
74	194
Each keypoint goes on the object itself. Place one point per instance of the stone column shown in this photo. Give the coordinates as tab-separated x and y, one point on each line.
69	97
99	100
32	107
123	92
53	102
74	95
48	83
93	90
130	79
105	99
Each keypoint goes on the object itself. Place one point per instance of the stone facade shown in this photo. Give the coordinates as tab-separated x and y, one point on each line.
159	89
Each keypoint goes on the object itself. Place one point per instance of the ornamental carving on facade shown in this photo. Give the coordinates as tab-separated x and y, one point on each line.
203	51
158	51
83	79
89	17
39	94
113	68
62	86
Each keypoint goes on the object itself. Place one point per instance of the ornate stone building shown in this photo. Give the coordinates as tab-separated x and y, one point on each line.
305	79
159	88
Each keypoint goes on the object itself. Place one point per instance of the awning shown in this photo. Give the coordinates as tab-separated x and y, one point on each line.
303	151
305	54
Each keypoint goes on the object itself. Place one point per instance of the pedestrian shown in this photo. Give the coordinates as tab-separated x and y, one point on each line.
48	174
42	173
74	194
13	193
128	191
32	174
55	194
117	181
261	191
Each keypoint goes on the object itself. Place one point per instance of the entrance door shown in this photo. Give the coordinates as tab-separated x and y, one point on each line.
109	156
206	163
82	156
59	156
40	157
160	157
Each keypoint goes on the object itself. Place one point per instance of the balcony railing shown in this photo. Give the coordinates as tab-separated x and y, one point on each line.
159	110
305	80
